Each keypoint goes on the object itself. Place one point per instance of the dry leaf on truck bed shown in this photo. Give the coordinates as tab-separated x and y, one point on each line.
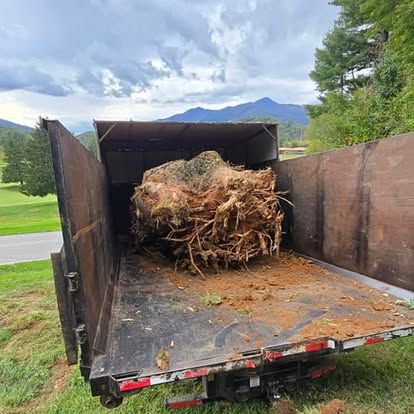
163	359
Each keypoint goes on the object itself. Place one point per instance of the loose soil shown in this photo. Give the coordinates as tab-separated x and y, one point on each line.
59	379
333	407
288	290
61	372
284	407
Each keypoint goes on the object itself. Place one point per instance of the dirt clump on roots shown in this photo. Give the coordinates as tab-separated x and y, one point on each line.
208	214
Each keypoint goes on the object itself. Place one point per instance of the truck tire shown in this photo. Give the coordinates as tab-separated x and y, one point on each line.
110	401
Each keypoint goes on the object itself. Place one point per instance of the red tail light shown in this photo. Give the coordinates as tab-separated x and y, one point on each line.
134	385
373	340
195	374
316	346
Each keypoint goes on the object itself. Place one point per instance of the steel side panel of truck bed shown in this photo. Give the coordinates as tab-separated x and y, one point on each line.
149	313
86	269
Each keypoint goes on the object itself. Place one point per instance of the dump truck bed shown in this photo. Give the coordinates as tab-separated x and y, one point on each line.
276	305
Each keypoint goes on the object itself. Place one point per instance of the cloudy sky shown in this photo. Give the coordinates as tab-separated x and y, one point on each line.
144	59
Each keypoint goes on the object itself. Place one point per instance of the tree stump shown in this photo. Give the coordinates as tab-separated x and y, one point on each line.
206	213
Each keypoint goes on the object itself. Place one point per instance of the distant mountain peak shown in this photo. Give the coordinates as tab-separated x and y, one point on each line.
262	108
265	100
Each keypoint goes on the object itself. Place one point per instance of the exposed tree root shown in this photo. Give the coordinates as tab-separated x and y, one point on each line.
207	213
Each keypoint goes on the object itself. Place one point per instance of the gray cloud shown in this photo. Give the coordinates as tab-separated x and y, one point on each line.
162	50
18	76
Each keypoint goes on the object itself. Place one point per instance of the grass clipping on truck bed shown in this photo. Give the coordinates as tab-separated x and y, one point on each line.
206	213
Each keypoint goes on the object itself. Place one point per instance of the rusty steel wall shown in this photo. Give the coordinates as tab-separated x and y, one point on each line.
89	247
354	207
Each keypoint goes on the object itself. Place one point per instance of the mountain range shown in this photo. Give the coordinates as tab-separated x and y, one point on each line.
262	108
292	118
11	125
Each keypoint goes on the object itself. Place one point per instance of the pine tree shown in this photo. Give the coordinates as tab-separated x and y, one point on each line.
14	157
390	20
338	63
38	175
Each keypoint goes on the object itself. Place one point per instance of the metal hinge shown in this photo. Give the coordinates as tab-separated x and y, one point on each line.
80	332
73	281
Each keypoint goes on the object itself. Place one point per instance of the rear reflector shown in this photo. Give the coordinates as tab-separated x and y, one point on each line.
183	404
316	346
316	374
196	373
322	371
270	356
373	340
329	369
134	385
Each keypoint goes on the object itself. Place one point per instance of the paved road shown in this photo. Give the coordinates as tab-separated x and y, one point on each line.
26	247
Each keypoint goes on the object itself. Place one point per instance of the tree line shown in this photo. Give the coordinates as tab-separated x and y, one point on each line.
364	74
290	132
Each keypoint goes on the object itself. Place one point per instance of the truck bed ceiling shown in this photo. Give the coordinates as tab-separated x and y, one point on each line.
274	302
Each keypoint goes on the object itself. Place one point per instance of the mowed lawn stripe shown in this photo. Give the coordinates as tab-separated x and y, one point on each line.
10	195
30	218
22	214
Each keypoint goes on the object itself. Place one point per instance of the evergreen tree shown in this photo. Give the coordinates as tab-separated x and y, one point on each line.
338	64
14	157
38	175
388	21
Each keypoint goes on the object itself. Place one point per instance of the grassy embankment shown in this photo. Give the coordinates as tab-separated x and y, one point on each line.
34	377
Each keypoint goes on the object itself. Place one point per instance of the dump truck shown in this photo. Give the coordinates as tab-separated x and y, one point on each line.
344	278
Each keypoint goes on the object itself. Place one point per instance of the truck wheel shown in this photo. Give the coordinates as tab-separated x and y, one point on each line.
110	401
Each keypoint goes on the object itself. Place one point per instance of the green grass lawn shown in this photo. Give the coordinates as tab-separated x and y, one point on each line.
35	379
22	214
287	156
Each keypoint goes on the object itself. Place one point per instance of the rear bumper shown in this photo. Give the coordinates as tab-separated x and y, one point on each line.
134	383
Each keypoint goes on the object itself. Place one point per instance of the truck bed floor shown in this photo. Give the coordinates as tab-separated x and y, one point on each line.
275	302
